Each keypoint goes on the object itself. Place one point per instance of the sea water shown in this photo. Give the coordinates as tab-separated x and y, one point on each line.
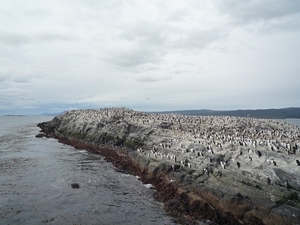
36	176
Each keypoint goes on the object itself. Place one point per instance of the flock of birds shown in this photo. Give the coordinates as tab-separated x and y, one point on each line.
207	142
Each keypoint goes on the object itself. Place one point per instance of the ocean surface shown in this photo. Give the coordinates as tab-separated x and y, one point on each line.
36	176
293	121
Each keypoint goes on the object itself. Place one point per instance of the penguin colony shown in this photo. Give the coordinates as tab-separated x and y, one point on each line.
204	143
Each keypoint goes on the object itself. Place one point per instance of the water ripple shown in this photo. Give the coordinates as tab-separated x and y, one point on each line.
36	178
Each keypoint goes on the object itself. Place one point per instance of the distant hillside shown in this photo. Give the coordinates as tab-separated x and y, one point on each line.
257	113
50	114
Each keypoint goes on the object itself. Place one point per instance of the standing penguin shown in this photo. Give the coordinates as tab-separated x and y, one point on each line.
286	183
259	154
238	164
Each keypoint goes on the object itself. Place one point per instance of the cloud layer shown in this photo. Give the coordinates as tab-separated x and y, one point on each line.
148	55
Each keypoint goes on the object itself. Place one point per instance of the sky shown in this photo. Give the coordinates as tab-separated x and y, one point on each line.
148	55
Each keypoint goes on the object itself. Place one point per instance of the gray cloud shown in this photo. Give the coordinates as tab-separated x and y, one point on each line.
133	57
6	14
145	33
14	39
272	14
23	80
80	55
198	39
177	16
95	4
3	77
54	37
290	24
151	79
255	10
181	72
151	42
39	13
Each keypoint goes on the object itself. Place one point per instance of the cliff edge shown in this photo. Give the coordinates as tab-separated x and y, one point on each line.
229	170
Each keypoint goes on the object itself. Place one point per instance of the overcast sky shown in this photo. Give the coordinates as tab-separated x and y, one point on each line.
149	55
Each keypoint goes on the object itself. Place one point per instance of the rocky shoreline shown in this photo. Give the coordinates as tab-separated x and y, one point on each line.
228	170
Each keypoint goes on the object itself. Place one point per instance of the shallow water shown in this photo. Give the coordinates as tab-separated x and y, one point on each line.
36	178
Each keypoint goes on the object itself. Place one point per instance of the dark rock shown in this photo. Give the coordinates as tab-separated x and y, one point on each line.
40	135
75	185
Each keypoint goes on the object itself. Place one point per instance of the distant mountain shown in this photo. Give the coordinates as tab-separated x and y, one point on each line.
13	115
50	114
293	112
256	113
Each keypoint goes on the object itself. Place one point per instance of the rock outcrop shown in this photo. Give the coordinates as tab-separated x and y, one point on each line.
229	170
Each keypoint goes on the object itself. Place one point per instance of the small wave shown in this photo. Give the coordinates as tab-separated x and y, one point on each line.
56	186
58	183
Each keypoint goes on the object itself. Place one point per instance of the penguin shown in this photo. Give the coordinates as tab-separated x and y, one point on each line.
206	171
298	162
250	158
238	164
286	183
222	165
259	154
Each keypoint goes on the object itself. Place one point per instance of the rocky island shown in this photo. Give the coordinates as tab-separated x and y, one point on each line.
229	170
